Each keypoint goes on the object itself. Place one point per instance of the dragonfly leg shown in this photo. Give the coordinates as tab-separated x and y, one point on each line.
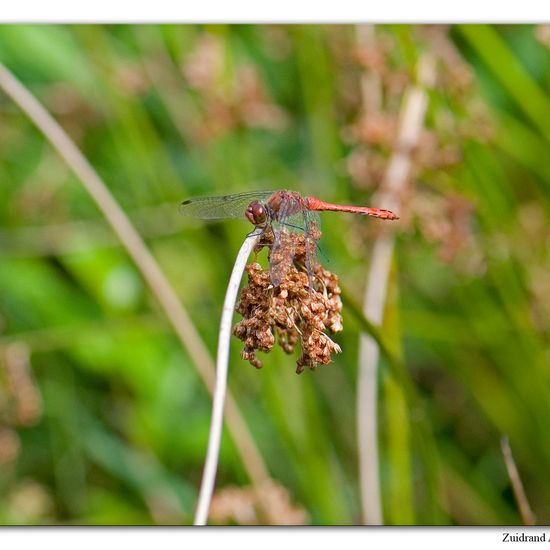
322	252
293	226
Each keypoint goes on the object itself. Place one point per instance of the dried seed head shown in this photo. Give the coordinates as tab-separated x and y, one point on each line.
267	504
292	311
9	446
27	400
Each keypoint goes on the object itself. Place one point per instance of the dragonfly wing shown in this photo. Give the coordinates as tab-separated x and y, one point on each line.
312	222
281	255
282	252
293	219
223	207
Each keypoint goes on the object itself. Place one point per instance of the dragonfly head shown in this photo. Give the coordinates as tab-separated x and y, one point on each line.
256	213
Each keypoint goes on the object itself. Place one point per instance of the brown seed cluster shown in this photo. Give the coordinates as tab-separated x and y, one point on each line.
268	504
20	399
290	312
229	96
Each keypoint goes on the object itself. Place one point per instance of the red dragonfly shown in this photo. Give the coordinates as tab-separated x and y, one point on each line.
284	212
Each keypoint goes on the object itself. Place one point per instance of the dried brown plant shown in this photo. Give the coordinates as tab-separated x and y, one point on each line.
26	398
542	34
20	399
241	505
10	446
290	312
229	98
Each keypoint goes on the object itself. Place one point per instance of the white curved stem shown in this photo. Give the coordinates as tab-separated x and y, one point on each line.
395	181
222	366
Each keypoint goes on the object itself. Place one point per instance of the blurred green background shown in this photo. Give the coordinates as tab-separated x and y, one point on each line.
103	418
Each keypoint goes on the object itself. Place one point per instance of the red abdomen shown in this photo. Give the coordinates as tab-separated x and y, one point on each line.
314	203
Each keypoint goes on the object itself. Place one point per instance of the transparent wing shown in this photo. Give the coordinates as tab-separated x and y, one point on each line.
218	208
309	224
282	252
312	222
292	219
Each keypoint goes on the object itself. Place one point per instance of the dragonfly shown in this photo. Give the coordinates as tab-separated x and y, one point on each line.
284	213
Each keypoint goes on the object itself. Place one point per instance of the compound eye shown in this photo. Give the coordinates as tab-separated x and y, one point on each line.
256	213
259	212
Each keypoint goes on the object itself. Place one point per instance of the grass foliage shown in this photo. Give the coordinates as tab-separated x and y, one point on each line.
119	429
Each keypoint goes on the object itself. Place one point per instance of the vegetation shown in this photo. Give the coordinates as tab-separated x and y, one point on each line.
103	416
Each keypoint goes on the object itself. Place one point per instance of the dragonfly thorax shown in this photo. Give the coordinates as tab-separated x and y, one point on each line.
256	214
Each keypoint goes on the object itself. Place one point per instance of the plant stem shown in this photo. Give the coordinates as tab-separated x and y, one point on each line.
394	182
222	366
527	515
